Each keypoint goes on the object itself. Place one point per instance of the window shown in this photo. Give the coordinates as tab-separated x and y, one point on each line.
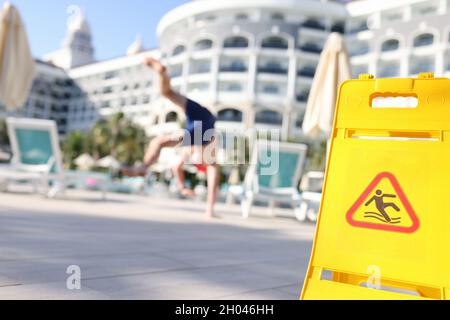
277	16
105	104
313	24
198	87
299	121
359	26
423	10
107	90
241	17
359	48
203	45
234	87
303	96
175	70
200	66
236	42
111	75
231	87
389	69
423	40
307	71
390	45
273	67
338	27
172	117
234	66
312	47
269	117
178	50
275	43
422	64
271	89
359	69
391	17
230	115
202	21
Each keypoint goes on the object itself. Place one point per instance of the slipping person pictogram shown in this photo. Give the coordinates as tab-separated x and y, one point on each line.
381	206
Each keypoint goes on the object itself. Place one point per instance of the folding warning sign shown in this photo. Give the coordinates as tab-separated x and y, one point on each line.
384	224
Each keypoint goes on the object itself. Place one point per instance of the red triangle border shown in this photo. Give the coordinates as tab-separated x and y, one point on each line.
402	198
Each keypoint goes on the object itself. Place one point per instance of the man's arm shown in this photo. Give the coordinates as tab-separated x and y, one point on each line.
370	201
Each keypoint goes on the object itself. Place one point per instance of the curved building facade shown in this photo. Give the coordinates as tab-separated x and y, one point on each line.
250	62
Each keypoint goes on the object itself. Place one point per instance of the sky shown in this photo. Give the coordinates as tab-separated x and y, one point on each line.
114	23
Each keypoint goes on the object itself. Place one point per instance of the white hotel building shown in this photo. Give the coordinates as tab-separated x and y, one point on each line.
250	61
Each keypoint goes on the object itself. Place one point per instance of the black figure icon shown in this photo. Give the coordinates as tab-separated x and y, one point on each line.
381	206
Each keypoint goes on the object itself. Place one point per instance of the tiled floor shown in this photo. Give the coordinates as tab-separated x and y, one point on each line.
132	247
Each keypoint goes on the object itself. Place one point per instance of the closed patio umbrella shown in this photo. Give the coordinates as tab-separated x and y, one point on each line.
108	162
17	66
333	69
84	162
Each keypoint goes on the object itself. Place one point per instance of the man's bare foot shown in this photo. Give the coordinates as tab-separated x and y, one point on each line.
211	215
155	65
140	171
188	193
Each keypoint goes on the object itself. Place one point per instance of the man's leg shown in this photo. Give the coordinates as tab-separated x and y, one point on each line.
157	144
213	186
152	154
164	84
178	172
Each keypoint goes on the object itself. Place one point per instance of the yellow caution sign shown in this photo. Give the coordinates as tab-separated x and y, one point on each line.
384	225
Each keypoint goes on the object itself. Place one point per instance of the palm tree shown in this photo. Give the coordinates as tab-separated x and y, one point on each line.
116	136
132	143
116	124
100	139
4	139
74	145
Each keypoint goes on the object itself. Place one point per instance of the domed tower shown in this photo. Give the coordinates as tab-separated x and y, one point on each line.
77	48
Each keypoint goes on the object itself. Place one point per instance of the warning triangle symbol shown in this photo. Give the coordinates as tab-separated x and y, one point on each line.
384	206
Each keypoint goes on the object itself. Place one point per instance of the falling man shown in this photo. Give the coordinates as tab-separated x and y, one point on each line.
199	140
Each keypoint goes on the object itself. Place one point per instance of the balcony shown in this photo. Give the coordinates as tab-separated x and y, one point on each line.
234	68
390	45
303	96
175	73
359	28
389	72
422	67
236	43
203	45
311	47
313	24
199	69
269	118
272	70
230	115
275	43
308	72
338	27
360	51
423	40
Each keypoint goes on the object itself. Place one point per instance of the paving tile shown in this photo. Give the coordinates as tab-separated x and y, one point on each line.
49	291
